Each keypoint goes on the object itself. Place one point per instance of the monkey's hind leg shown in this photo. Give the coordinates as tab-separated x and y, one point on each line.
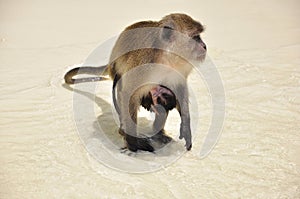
128	129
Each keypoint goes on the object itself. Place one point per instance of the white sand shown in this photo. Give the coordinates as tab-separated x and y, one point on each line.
256	47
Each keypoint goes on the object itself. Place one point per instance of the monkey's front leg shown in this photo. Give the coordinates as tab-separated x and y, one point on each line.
183	109
158	125
128	120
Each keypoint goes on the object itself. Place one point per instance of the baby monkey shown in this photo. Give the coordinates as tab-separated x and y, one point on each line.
149	66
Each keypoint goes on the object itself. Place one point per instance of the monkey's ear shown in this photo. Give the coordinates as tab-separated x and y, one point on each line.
167	33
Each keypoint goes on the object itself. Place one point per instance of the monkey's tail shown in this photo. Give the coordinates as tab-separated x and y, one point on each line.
99	71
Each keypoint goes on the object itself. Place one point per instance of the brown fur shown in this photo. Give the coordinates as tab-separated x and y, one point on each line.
154	42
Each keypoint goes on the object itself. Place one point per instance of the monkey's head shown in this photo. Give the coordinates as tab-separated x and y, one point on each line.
181	34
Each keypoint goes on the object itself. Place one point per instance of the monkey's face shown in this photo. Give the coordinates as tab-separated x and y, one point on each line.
181	36
198	47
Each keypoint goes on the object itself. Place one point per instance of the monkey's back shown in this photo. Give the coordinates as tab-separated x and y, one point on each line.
134	47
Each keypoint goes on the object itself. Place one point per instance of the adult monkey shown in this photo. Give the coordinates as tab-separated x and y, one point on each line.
162	51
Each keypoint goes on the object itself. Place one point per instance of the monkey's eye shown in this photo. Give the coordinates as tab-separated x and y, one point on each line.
197	38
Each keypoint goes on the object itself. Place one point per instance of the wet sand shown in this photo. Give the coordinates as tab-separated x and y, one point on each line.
255	46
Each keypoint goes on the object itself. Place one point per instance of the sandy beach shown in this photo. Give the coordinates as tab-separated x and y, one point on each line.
45	153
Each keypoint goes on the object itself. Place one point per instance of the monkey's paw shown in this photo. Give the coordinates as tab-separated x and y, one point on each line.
161	137
134	144
185	132
143	144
